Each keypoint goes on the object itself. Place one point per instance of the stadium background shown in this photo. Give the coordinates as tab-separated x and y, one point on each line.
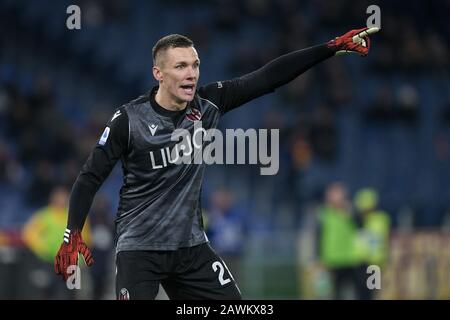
382	121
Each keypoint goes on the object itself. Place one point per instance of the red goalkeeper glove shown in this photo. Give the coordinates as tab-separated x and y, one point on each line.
68	253
355	41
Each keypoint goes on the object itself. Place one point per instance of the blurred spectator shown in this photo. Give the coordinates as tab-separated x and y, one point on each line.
42	234
42	184
226	229
387	109
102	247
373	244
323	133
228	15
337	234
11	172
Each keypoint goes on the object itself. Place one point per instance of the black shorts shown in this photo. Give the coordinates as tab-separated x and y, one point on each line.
187	273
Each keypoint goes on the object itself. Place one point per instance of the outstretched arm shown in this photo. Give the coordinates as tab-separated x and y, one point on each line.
233	93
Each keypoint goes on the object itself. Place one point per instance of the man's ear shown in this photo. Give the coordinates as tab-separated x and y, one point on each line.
157	74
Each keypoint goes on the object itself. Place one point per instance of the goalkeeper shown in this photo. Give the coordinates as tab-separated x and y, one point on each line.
159	228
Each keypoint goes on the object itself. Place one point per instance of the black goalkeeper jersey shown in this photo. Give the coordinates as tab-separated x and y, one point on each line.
159	206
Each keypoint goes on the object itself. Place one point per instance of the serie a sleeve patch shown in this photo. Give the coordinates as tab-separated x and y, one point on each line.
104	136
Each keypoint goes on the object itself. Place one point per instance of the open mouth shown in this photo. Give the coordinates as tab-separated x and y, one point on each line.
188	88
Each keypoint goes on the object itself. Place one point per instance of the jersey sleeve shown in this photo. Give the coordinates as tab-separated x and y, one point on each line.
111	146
230	94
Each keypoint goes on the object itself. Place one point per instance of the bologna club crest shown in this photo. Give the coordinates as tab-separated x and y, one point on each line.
124	294
193	114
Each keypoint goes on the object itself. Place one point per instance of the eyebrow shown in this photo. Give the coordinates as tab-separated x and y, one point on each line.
185	62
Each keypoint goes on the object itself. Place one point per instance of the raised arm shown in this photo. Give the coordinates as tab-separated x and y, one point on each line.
233	93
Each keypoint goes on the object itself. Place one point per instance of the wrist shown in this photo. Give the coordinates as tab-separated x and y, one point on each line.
67	233
333	45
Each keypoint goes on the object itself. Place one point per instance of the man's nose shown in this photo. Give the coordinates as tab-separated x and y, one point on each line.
192	72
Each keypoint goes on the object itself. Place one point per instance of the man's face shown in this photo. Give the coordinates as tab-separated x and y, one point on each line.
177	70
337	195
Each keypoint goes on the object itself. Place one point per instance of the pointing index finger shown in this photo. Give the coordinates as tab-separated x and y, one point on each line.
365	33
372	30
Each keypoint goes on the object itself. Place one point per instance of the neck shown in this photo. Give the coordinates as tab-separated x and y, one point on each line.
167	102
